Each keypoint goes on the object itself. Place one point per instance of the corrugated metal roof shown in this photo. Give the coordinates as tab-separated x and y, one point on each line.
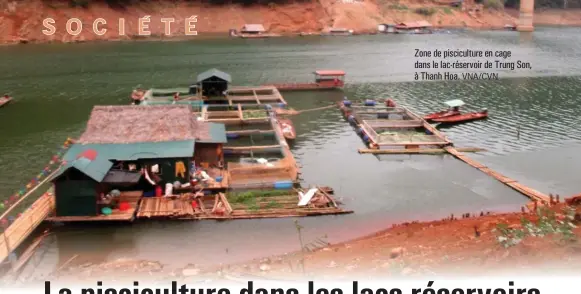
214	73
96	169
252	28
121	177
217	134
135	151
454	103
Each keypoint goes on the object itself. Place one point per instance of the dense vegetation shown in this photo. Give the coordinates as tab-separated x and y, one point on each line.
123	3
494	4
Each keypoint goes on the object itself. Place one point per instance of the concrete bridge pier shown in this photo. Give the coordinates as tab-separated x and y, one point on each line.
525	20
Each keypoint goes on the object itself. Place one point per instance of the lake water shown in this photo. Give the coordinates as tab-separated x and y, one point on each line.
56	85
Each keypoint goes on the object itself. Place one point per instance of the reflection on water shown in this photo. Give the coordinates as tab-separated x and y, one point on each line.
531	135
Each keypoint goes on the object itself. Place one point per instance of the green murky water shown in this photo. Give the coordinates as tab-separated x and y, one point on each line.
55	87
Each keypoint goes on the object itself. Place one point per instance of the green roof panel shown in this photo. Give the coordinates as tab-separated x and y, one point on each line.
217	133
214	73
96	169
135	151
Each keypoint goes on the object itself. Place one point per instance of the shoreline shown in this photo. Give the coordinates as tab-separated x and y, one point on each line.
21	24
451	246
223	36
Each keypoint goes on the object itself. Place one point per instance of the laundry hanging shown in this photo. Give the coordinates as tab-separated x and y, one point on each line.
180	169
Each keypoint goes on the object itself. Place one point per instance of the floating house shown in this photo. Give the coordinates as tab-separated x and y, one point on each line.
338	32
324	80
213	82
414	27
252	31
386	28
129	152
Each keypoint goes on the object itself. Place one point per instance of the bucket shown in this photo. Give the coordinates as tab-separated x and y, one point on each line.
219	179
283	185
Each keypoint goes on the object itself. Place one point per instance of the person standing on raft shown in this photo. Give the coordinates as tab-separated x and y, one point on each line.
176	97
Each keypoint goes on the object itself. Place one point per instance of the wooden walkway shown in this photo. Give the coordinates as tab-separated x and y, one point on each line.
24	225
529	192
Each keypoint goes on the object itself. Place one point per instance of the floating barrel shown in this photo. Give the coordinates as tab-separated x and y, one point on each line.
359	131
365	138
283	185
428	132
351	119
232	136
282	105
346	103
370	102
227	151
383	115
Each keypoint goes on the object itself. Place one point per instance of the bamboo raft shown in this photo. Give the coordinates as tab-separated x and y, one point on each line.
529	192
433	151
24	225
220	206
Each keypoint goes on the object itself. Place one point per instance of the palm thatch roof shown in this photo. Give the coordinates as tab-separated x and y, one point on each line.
139	124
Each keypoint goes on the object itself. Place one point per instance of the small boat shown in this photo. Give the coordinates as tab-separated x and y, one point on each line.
288	129
453	109
463	117
441	114
5	100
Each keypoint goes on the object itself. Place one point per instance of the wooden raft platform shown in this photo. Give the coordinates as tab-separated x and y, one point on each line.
24	225
128	215
529	192
221	206
254	95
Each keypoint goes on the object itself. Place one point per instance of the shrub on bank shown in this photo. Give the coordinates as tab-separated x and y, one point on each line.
427	11
493	4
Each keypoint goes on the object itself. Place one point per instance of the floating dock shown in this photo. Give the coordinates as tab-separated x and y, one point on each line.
251	95
240	205
324	80
383	127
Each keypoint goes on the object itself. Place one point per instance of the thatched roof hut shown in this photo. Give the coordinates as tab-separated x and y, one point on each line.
139	124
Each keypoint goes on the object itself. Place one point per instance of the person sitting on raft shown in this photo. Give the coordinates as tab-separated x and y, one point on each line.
389	103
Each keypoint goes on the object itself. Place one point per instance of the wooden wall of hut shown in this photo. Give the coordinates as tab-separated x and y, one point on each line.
210	153
76	194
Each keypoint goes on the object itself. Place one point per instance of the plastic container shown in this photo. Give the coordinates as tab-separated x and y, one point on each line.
370	102
219	179
283	185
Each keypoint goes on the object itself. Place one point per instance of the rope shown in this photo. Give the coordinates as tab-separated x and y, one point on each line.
318	108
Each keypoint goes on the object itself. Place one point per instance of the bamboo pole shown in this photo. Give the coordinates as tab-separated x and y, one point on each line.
417	151
264	147
251	132
28	193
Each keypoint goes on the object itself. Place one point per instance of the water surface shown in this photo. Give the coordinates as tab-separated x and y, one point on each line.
532	134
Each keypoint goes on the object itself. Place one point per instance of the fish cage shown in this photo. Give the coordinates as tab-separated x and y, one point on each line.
258	156
383	127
